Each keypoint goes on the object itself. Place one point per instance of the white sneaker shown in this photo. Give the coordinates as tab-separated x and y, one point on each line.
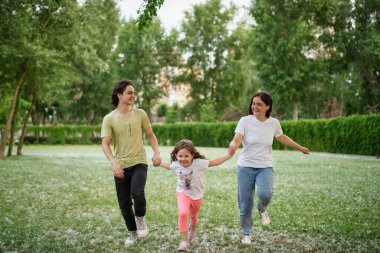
246	239
142	228
192	235
183	246
264	217
131	239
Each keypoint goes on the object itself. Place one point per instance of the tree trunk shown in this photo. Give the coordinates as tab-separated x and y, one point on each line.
11	112
17	92
13	128
23	133
295	111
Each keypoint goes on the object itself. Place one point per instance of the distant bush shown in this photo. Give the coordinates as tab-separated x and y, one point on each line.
359	134
347	135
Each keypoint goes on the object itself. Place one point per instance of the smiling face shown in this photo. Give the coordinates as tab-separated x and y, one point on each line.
185	158
259	108
128	96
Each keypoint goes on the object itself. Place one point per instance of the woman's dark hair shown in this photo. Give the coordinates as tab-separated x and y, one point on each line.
119	89
185	144
266	98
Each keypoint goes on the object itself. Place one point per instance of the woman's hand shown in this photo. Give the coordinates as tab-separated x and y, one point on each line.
304	150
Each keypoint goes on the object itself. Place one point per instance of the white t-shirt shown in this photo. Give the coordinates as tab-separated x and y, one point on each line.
257	141
190	180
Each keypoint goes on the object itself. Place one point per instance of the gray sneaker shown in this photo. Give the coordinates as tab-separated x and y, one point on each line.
183	246
264	217
192	235
246	239
131	239
142	228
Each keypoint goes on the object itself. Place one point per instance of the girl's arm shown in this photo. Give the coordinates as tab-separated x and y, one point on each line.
290	143
219	160
165	165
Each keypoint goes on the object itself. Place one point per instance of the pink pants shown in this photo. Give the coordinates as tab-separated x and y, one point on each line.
187	207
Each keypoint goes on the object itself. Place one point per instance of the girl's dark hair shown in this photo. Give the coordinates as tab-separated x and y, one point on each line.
266	98
119	89
185	144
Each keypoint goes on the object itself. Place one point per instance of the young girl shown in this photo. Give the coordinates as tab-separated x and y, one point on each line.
189	165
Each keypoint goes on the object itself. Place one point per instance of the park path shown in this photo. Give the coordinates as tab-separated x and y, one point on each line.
96	152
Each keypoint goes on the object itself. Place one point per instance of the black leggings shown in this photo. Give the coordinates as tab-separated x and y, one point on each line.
131	186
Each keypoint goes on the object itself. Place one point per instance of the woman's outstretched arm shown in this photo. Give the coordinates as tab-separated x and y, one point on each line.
290	143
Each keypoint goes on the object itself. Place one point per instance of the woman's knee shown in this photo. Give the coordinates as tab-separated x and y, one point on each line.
265	196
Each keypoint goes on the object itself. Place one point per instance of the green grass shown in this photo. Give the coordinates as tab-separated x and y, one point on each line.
62	199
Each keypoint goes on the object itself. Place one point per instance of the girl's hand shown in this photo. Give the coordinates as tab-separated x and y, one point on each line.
156	159
232	149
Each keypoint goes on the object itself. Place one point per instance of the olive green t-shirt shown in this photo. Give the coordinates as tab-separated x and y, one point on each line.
126	136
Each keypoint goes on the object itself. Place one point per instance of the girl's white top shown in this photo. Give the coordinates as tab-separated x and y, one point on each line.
257	141
190	180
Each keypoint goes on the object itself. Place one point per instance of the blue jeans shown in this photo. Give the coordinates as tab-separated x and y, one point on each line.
248	178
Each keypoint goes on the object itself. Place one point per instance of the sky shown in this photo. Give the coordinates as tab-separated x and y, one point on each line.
171	12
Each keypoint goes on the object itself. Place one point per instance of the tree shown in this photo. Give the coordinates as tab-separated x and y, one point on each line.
161	110
362	43
99	28
147	12
286	49
208	112
138	57
23	41
50	48
215	63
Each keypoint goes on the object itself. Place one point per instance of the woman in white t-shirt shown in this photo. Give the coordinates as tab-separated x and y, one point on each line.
255	165
190	166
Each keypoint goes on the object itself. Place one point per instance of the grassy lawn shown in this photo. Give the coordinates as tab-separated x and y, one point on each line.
62	199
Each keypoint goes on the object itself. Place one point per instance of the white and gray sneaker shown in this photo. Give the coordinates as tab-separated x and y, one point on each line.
131	239
264	217
192	235
183	246
142	228
246	239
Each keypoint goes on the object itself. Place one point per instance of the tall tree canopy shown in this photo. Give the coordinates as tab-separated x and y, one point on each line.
214	52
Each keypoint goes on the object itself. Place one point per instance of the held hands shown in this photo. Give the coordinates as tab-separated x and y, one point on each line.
232	149
156	159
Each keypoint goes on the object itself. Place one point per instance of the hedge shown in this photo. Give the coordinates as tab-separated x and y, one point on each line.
359	134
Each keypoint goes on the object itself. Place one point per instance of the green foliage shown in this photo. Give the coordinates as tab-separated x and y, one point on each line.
171	115
147	12
60	46
68	134
285	34
137	57
357	134
218	66
98	27
208	112
347	135
161	110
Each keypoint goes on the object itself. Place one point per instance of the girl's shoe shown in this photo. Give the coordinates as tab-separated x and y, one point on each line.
192	235
183	246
